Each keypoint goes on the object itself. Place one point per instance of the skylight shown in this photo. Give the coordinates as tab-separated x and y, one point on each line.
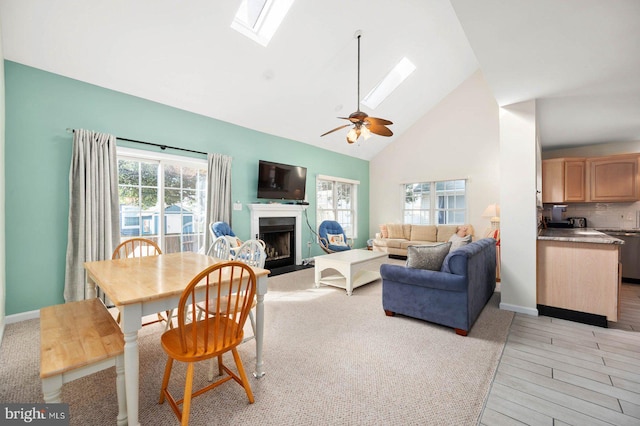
396	76
259	19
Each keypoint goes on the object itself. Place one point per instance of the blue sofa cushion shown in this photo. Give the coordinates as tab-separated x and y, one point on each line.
427	256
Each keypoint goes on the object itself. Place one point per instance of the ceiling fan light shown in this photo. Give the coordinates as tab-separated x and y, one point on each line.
365	132
352	136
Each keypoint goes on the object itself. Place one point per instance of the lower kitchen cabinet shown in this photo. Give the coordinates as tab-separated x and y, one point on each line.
577	276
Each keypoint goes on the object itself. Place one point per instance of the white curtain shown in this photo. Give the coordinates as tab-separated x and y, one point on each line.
219	194
93	207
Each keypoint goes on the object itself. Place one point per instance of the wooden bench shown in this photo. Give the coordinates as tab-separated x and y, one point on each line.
78	339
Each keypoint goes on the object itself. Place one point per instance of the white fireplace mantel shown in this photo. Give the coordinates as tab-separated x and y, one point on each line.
278	210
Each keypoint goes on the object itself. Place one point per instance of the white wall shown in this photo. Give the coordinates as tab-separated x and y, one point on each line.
2	191
518	224
458	139
611	148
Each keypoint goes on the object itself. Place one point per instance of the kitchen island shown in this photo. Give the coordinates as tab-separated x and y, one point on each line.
578	275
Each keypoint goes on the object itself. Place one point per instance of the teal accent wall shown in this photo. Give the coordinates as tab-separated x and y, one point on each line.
40	106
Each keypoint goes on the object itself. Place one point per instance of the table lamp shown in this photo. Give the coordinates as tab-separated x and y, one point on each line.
493	211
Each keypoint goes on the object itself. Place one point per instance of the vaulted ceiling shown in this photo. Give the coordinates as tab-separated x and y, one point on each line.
578	58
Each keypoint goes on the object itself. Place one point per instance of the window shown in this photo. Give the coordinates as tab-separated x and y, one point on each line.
336	200
162	198
260	19
389	83
436	203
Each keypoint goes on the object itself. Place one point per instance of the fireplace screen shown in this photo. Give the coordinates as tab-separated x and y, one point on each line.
278	234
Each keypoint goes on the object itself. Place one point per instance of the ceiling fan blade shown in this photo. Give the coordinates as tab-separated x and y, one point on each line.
337	128
374	120
379	130
351	119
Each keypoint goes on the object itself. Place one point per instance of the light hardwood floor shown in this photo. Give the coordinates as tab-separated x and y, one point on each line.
556	372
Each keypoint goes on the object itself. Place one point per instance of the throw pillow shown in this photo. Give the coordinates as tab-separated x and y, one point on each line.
384	232
462	230
336	240
457	241
395	230
427	257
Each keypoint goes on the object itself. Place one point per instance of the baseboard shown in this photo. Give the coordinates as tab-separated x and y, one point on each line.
23	316
519	309
577	316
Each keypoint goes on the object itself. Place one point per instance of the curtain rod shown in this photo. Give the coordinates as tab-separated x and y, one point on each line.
162	147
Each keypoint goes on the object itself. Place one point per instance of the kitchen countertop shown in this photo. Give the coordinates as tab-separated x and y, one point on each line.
577	235
629	230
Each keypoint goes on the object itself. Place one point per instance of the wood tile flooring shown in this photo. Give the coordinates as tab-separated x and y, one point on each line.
555	372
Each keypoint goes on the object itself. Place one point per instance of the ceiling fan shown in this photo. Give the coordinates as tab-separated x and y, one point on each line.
361	122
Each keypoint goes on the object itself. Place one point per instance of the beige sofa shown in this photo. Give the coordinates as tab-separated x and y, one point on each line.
394	238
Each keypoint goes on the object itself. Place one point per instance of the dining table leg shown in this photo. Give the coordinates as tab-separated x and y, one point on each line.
261	291
131	323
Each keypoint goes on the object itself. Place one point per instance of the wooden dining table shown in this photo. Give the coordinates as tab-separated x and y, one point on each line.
147	285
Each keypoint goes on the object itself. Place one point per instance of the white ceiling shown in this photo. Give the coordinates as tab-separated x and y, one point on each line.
578	57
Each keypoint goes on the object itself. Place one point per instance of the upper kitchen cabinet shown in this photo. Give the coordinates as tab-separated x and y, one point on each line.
563	180
574	180
613	179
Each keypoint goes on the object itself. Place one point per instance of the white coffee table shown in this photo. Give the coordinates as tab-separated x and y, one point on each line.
356	267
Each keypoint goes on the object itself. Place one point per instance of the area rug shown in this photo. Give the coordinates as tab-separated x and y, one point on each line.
330	359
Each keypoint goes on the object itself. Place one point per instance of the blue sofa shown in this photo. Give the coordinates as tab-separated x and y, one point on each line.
453	296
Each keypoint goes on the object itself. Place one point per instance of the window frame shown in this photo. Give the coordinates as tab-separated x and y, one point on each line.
162	159
354	203
433	211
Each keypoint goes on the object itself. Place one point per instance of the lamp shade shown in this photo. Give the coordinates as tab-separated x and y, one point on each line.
492	211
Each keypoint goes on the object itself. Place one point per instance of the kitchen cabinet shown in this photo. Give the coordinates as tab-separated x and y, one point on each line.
581	277
574	180
613	179
563	180
553	181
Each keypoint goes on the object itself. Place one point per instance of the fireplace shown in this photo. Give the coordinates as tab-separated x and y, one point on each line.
278	234
261	211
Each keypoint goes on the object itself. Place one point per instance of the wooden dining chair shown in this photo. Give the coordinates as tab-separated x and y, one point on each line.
220	248
136	247
140	247
228	289
252	253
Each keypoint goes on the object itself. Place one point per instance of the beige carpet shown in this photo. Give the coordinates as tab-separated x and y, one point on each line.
330	360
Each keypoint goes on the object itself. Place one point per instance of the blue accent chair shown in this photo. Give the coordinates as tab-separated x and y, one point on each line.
334	228
221	229
453	296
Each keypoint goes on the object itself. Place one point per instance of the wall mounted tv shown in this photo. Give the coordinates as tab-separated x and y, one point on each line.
281	181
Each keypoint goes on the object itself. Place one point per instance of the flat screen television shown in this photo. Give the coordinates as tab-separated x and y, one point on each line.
278	181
